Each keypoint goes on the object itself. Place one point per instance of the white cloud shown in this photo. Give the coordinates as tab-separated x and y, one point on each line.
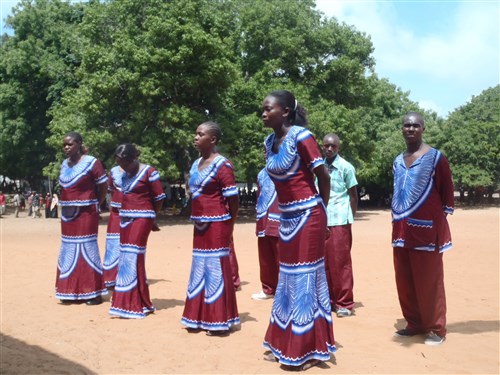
461	54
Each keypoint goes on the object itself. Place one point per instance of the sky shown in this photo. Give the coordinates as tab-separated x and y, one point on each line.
442	52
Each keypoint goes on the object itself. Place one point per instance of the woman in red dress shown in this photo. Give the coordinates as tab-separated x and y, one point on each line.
300	332
84	183
112	254
142	199
211	297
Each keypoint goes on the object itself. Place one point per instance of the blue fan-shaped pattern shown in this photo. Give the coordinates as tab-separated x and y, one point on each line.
323	294
206	274
290	225
127	272
198	179
112	254
68	257
69	213
306	303
301	297
267	194
129	183
214	284
412	185
70	175
90	252
283	299
286	162
116	175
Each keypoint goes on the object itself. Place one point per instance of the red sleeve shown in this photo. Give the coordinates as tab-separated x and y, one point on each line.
444	184
309	152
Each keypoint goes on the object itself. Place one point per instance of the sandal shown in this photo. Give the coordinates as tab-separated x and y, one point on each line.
217	333
302	367
270	357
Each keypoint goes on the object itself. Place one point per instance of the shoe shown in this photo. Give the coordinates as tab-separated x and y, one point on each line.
404	333
342	312
261	296
94	301
433	339
219	333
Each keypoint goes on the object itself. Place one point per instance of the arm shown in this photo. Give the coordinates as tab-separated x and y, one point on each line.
323	183
233	206
102	190
353	194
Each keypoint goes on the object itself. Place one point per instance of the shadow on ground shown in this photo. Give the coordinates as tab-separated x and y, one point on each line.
19	357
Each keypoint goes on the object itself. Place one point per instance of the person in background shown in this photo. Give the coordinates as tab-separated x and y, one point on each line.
2	203
300	332
36	205
48	201
211	296
112	253
141	202
54	206
341	209
423	197
16	201
83	184
267	230
30	203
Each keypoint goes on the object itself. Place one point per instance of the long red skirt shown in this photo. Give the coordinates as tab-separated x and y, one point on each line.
211	297
300	327
131	295
112	254
79	269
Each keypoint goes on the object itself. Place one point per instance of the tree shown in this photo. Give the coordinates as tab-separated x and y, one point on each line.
37	64
151	72
471	141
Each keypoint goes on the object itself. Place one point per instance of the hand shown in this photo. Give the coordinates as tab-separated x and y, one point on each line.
155	228
328	233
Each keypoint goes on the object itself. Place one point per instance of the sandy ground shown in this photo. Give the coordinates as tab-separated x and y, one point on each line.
41	336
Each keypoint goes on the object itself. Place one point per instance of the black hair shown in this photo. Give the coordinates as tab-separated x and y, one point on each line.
417	115
297	114
127	151
75	136
214	129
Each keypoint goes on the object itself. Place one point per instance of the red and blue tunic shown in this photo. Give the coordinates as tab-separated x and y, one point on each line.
300	327
131	295
211	297
79	269
423	194
112	254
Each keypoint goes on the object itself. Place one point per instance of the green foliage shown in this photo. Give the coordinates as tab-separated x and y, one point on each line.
37	65
471	141
149	71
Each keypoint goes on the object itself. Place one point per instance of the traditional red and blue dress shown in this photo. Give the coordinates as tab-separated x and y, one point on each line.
137	214
112	254
300	327
211	297
79	268
267	231
423	196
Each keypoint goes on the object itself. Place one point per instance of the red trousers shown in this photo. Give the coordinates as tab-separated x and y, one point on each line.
338	266
420	285
269	263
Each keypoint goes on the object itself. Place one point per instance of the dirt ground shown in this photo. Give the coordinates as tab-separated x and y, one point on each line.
41	336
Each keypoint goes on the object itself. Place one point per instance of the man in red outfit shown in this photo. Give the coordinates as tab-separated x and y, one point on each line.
423	197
